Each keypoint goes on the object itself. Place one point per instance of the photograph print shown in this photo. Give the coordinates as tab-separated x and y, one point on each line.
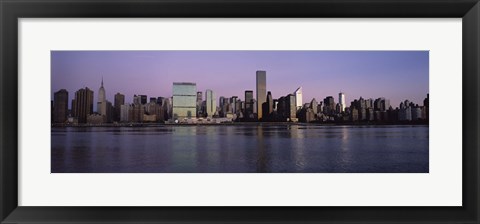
232	111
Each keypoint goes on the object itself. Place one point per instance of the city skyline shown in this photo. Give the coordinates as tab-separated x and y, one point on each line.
407	77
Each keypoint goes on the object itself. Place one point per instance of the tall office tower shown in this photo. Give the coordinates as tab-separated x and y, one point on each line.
124	112
136	99
248	103
221	105
220	101
211	104
314	106
102	101
143	99
83	104
184	100
238	106
269	103
233	104
293	106
160	100
287	108
110	111
386	104
261	91
199	104
60	106
369	103
118	102
341	101
329	105
298	98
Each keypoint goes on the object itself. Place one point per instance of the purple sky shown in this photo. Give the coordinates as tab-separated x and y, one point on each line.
396	75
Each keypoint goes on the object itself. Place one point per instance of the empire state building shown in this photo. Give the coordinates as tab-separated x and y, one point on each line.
102	101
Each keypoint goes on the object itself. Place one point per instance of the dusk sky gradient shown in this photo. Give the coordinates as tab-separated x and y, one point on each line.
395	75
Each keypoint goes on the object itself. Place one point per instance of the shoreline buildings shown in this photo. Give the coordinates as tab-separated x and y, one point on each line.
186	106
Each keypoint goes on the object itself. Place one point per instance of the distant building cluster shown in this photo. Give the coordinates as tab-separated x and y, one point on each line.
187	105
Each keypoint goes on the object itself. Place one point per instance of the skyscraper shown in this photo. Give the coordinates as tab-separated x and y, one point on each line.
143	99
248	103
102	101
233	104
341	101
298	98
269	103
184	100
199	104
60	106
83	104
118	102
261	91
287	108
329	105
136	99
211	104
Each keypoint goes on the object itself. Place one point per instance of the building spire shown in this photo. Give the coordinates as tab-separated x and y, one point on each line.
102	80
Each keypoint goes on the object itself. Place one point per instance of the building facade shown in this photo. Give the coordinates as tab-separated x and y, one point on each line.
341	101
299	98
261	91
248	104
60	106
118	102
102	101
82	104
210	103
184	100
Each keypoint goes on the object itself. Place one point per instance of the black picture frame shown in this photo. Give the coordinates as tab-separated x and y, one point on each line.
12	10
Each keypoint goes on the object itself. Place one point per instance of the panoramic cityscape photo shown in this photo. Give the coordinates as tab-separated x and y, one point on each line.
236	111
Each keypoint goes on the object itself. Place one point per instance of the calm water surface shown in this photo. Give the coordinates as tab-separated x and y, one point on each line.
240	149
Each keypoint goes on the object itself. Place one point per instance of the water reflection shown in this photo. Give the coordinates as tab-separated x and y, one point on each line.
241	148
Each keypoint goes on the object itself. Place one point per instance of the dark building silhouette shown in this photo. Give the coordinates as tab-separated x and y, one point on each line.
83	104
329	105
267	107
135	113
426	107
118	102
248	103
143	99
199	104
60	106
287	108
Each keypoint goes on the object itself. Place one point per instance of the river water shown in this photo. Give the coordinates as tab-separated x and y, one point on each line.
240	149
